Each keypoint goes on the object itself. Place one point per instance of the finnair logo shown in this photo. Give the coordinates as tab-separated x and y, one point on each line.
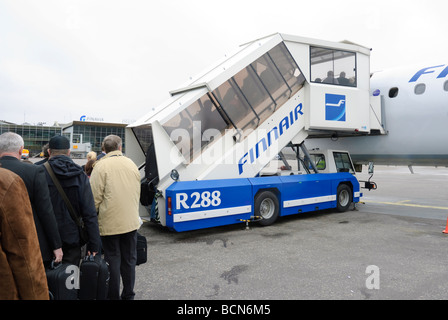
334	107
429	70
267	140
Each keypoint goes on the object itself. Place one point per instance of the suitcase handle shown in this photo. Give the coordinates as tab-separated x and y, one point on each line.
89	258
55	265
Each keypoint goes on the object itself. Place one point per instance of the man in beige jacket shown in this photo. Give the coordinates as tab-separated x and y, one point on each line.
115	183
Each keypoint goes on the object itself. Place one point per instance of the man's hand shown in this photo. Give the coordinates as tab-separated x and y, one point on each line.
58	254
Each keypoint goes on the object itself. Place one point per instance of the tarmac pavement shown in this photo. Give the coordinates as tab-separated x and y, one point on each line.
390	247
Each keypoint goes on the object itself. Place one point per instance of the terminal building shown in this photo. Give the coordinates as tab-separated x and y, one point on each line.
80	134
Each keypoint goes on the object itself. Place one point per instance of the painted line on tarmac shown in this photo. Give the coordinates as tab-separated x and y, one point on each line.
404	203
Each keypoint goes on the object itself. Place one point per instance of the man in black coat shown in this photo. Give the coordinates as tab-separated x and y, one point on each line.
76	186
11	146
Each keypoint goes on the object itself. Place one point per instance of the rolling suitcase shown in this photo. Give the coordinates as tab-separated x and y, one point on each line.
142	254
62	279
93	278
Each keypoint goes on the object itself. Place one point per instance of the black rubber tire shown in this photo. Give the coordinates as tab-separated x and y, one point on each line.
344	197
266	206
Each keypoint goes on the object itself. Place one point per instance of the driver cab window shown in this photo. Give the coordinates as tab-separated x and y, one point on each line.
343	162
318	160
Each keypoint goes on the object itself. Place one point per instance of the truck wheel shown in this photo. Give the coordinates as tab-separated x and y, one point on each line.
344	197
266	207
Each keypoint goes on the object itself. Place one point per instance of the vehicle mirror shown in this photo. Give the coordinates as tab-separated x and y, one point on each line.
371	167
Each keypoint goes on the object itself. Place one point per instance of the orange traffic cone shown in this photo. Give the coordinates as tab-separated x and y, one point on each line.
446	228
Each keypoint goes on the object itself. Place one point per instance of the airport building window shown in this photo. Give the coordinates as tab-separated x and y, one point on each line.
393	92
94	132
76	138
445	86
34	136
333	66
420	88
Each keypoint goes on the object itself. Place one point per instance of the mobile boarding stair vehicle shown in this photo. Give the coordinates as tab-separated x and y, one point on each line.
211	142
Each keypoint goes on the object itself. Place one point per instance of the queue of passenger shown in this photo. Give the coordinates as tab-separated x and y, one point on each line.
36	227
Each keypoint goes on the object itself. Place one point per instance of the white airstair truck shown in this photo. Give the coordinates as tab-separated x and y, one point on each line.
209	143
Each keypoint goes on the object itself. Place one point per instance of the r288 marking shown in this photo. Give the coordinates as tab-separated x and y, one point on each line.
200	200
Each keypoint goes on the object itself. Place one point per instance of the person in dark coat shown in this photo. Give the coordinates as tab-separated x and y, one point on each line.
11	146
76	185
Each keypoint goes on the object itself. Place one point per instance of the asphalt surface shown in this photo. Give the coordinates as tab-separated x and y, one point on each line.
389	247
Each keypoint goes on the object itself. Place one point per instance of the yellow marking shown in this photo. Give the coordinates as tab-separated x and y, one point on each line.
402	203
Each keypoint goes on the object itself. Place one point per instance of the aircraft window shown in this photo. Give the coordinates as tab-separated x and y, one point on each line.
445	86
420	88
393	92
333	66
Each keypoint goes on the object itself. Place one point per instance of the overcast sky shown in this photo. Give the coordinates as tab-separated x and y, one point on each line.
117	59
